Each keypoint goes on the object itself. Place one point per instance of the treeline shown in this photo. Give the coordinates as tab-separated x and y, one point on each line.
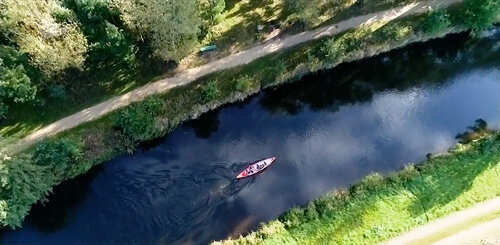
42	41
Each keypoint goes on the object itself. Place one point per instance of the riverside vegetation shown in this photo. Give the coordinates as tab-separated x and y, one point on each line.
53	52
379	208
28	177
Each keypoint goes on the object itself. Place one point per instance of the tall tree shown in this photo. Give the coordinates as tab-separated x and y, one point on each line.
52	44
171	27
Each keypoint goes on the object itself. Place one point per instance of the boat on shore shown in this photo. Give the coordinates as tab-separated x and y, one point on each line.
256	167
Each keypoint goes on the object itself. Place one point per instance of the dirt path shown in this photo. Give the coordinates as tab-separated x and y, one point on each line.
479	224
241	58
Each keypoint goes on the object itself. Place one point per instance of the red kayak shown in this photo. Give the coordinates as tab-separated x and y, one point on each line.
256	167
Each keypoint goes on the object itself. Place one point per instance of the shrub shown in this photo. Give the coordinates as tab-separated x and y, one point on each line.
56	91
15	85
210	91
272	74
480	14
336	49
301	13
21	185
138	120
212	9
436	22
243	84
61	155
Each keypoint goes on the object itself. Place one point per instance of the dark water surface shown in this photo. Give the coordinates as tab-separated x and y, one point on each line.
328	131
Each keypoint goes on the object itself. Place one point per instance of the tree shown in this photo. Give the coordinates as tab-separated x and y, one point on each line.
61	155
109	43
436	22
15	84
480	14
170	27
53	45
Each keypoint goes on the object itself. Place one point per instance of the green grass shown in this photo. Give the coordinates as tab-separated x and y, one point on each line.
379	208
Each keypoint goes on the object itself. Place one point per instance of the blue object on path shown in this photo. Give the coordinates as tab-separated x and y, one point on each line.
208	48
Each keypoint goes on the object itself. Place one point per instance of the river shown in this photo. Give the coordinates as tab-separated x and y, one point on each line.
328	131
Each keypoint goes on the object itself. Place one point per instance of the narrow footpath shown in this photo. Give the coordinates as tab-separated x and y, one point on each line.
241	58
476	225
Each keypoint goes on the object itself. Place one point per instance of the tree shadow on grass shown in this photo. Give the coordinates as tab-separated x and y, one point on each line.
245	33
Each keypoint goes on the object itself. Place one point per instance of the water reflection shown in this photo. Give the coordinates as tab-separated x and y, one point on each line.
328	131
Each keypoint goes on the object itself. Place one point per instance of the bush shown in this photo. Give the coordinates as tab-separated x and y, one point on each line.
56	91
61	155
301	13
336	49
22	184
480	14
209	92
138	121
243	84
15	84
273	74
436	22
211	10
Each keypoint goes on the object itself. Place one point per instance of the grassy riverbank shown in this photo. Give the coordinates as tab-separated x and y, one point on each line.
379	208
28	177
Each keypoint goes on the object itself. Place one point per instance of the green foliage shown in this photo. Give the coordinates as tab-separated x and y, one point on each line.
211	14
138	122
15	85
21	185
170	27
52	46
333	49
61	155
243	84
209	91
480	14
56	91
212	10
4	109
301	13
109	43
436	22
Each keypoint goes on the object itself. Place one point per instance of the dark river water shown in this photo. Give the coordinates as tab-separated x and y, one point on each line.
328	130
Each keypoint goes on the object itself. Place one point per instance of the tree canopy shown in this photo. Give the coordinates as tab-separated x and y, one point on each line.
52	44
171	27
